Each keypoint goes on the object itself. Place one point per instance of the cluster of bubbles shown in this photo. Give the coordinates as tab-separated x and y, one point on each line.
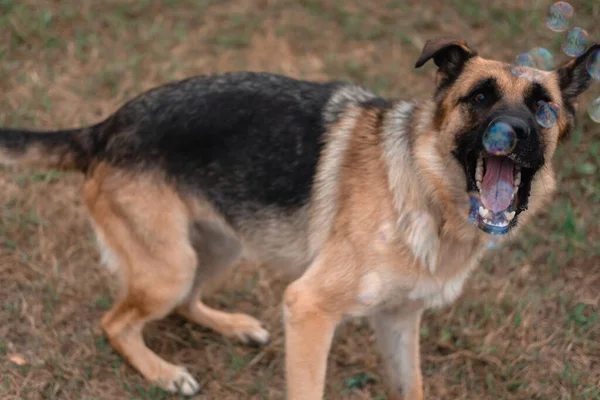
531	65
499	139
538	57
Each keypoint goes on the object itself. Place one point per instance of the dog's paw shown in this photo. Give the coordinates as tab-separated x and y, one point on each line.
181	382
248	330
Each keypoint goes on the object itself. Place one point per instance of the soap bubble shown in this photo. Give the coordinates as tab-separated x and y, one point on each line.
547	114
593	65
531	74
559	16
499	139
525	60
575	43
594	110
542	57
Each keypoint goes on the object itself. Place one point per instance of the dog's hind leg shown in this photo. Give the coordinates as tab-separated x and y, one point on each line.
217	249
144	226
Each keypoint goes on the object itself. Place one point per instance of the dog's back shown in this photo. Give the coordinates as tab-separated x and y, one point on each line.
244	145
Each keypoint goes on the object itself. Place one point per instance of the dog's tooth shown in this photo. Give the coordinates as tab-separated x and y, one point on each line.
509	215
479	170
479	174
478	183
517	178
482	211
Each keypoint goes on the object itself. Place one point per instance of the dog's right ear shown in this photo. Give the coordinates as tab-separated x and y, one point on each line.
450	55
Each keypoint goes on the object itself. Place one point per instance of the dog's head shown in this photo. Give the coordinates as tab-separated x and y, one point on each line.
485	116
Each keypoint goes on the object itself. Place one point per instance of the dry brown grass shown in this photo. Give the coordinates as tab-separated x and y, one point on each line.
527	326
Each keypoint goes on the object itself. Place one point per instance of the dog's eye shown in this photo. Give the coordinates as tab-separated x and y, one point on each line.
478	98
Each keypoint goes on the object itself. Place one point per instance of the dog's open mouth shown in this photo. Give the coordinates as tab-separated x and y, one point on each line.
502	190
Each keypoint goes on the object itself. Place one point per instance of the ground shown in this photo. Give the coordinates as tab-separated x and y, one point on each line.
526	327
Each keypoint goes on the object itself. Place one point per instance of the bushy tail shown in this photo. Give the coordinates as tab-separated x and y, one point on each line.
63	150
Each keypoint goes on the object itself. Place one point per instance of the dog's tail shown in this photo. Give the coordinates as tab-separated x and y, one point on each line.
62	150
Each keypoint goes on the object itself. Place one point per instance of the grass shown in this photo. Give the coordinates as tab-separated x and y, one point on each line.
527	326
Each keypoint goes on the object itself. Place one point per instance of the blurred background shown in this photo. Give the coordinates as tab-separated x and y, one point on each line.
527	325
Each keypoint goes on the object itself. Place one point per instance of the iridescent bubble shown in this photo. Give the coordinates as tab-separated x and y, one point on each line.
531	74
542	57
499	139
575	43
559	16
547	114
593	65
525	60
594	110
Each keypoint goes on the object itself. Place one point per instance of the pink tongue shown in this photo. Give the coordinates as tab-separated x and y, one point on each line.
497	184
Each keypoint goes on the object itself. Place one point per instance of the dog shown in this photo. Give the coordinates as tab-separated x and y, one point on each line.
369	200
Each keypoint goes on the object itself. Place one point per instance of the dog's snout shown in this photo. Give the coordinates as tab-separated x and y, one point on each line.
519	126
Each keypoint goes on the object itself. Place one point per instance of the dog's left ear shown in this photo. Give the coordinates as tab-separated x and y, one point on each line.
449	55
574	77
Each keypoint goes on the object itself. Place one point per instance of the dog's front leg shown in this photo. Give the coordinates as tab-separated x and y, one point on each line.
398	341
313	307
309	331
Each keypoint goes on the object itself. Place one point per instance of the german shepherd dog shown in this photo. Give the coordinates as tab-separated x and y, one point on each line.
368	198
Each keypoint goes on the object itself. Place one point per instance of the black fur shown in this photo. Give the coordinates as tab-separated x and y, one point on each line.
244	140
450	56
66	144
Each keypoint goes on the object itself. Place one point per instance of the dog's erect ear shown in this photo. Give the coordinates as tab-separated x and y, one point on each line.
574	77
449	55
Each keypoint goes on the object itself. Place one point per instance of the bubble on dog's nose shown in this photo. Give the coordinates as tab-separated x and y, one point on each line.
594	110
525	60
593	65
499	139
559	16
547	114
575	43
542	57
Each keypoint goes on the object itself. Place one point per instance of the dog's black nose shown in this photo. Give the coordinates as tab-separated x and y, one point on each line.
518	125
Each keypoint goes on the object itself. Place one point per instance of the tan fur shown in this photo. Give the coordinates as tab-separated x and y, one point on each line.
400	241
384	235
144	225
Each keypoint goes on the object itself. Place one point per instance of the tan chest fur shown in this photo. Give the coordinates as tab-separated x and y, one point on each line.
405	256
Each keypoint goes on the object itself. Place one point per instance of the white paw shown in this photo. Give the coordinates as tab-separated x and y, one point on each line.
249	330
182	383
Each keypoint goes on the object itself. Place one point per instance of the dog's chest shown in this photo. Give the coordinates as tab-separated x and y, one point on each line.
416	287
445	284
